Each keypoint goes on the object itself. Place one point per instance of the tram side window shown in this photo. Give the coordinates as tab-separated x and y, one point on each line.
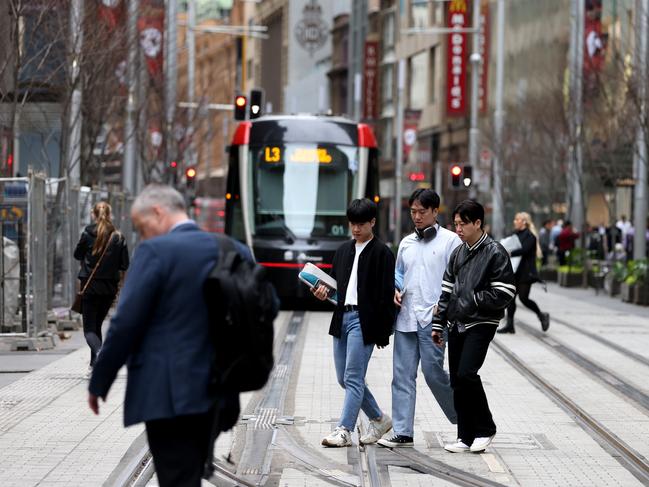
234	213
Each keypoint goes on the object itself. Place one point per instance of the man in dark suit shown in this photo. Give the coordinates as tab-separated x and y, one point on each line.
161	331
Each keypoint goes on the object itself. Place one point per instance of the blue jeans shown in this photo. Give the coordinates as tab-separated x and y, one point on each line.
409	348
351	357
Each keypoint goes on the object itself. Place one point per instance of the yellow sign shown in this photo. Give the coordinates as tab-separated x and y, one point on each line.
299	154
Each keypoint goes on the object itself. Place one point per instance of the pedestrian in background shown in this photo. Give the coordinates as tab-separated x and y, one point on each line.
477	287
421	262
103	254
161	330
545	241
566	242
526	273
364	316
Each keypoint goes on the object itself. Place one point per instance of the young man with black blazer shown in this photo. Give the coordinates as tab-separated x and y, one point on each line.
364	317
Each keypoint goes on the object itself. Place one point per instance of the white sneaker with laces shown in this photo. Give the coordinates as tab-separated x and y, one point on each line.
458	447
338	438
376	430
480	444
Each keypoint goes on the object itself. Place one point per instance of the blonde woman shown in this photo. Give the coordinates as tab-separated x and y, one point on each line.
526	274
102	244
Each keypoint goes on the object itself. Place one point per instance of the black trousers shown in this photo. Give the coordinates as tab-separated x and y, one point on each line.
523	291
94	309
179	447
466	354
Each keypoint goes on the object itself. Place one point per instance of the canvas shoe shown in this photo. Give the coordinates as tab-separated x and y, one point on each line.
338	437
376	430
480	444
458	447
397	441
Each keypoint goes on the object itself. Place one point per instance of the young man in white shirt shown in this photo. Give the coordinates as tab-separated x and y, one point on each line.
364	316
421	262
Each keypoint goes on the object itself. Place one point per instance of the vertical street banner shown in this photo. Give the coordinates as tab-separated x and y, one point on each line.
484	54
150	25
594	44
111	13
456	59
410	127
370	81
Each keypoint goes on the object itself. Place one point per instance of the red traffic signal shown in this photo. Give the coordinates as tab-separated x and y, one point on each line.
240	103
456	172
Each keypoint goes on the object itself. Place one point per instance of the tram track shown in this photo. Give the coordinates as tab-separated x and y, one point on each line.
629	458
602	374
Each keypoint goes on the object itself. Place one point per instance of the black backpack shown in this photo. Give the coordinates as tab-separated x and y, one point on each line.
242	306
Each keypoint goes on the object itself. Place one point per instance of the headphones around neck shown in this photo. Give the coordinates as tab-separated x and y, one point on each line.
427	234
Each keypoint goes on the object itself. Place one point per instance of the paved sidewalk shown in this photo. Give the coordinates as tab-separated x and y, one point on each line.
538	443
49	436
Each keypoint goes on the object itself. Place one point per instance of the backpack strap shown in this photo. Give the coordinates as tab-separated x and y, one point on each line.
228	251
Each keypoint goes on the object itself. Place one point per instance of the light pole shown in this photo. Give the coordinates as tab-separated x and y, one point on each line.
497	201
640	153
129	170
401	81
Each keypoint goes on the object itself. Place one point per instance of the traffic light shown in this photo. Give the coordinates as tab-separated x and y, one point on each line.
172	172
456	172
467	176
190	176
240	103
256	102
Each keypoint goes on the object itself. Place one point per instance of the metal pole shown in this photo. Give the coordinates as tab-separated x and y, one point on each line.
191	77
358	33
576	209
398	167
640	154
497	202
129	174
171	68
73	152
476	59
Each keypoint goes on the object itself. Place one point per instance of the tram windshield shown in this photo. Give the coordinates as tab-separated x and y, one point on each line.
303	189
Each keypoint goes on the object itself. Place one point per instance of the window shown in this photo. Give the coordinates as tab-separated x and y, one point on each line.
418	87
387	85
419	13
431	76
388	31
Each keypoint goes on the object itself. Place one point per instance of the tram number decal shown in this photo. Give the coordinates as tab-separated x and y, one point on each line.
272	154
338	230
307	155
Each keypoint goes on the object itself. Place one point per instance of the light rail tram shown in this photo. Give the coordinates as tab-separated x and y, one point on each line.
290	180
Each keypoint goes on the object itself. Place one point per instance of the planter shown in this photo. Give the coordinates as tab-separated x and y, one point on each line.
626	292
567	279
548	275
641	294
611	285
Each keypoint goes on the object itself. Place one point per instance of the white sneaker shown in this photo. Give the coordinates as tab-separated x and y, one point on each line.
480	444
458	447
338	437
376	430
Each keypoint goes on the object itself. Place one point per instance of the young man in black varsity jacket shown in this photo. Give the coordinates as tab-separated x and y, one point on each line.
477	287
364	271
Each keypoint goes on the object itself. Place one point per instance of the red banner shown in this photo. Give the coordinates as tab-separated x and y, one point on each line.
370	81
150	25
595	46
456	59
484	54
111	12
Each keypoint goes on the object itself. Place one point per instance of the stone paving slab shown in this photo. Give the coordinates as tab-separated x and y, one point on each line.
49	436
537	444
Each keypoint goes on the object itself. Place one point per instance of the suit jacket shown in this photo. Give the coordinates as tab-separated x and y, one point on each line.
160	329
